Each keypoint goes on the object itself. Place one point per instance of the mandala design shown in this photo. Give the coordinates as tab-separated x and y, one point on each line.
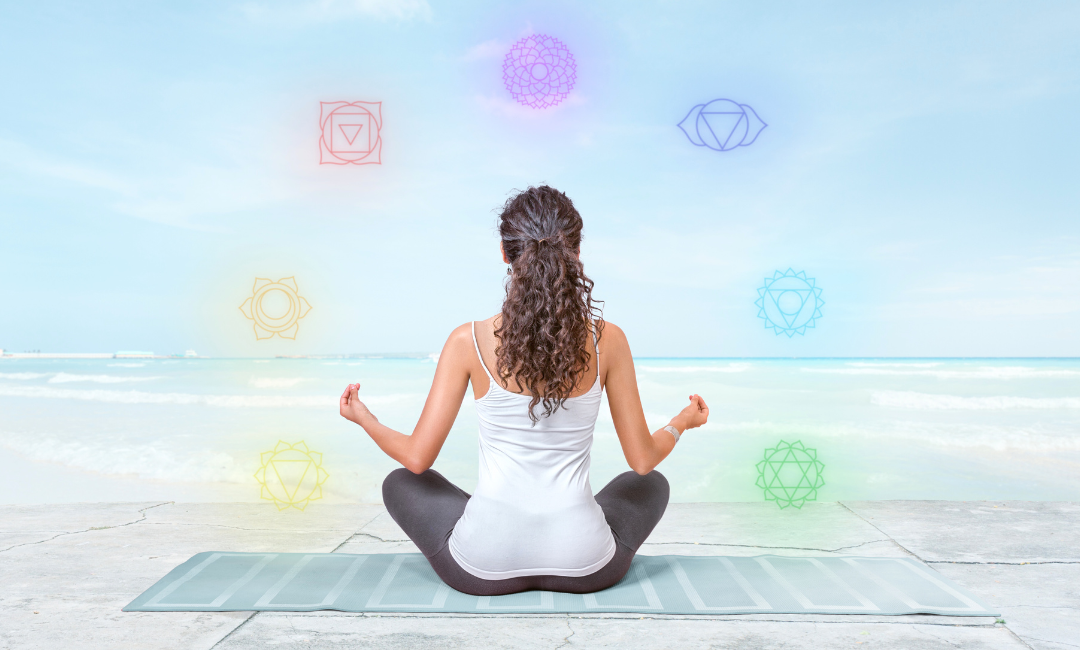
539	71
350	133
790	474
789	302
722	125
291	475
275	307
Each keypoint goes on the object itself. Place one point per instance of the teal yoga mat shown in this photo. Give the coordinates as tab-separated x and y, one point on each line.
662	584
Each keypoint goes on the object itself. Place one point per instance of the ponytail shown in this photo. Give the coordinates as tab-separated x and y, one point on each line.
543	336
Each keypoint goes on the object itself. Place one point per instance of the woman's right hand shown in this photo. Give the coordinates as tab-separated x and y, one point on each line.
694	415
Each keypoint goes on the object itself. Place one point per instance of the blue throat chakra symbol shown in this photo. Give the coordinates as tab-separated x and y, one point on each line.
722	125
789	302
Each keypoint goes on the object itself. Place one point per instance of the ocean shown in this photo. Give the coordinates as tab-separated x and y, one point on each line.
87	430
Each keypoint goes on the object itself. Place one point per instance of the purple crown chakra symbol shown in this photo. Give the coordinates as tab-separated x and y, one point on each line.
722	125
539	71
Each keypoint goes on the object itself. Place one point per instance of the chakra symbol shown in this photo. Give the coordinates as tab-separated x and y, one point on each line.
789	302
350	133
291	475
539	71
722	125
275	307
790	474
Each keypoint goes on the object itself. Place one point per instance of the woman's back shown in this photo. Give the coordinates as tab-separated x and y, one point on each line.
533	522
533	512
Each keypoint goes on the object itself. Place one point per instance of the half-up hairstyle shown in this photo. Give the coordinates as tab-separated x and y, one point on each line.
543	337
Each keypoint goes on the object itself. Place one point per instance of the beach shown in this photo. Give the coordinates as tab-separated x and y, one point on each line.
196	429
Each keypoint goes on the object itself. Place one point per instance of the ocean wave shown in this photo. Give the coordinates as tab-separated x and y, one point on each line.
1035	439
984	372
23	375
126	365
868	364
277	382
226	401
733	367
64	378
912	400
112	455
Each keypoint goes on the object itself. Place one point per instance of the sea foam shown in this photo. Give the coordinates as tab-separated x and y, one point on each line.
913	400
984	372
227	401
732	367
65	378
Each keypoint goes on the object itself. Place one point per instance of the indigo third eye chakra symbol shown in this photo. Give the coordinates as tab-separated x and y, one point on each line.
722	125
539	71
790	474
350	133
789	302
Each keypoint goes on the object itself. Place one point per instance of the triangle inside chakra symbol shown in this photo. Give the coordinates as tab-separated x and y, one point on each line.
350	131
722	125
290	474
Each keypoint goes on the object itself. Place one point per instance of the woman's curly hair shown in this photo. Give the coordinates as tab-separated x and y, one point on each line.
543	336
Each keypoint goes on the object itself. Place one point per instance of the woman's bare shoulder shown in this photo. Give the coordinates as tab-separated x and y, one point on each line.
613	338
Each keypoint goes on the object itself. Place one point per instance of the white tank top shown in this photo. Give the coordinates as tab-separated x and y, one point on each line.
533	511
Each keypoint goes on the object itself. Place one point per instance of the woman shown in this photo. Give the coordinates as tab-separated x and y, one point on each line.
537	370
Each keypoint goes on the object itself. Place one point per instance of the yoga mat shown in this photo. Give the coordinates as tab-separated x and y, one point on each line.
661	584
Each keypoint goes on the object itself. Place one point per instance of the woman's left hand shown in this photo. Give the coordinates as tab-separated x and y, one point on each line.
353	409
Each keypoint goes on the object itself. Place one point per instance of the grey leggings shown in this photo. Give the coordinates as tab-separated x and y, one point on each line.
427	507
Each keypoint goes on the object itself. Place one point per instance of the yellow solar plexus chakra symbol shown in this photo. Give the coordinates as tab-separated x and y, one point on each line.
291	475
275	307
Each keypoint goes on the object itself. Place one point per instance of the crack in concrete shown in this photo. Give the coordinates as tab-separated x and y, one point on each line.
566	639
350	537
1003	563
734	618
90	529
868	523
1016	636
934	636
1033	638
235	629
270	530
790	548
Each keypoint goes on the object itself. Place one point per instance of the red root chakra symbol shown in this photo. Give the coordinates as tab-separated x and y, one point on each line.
350	133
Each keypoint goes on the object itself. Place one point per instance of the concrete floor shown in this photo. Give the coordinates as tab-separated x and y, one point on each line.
65	572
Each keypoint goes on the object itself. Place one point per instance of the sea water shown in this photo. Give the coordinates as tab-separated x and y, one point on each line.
197	429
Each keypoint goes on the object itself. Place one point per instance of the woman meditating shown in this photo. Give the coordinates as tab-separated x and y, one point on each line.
537	370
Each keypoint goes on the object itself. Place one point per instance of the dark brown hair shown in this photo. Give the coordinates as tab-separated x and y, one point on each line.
542	337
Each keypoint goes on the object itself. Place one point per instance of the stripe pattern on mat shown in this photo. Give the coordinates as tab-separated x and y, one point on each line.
662	584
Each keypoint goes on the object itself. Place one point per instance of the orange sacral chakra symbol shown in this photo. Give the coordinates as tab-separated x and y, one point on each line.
275	307
291	475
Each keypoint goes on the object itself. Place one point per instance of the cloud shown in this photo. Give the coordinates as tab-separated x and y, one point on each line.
326	10
493	49
24	158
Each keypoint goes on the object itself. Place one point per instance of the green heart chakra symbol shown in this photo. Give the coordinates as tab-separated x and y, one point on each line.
790	474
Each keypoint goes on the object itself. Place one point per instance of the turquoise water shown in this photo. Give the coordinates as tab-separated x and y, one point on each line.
194	429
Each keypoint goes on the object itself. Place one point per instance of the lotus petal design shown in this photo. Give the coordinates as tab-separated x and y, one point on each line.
539	71
789	302
790	474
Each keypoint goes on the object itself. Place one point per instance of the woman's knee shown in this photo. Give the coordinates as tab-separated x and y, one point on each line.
395	483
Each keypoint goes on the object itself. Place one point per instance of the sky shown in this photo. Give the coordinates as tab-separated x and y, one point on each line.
920	165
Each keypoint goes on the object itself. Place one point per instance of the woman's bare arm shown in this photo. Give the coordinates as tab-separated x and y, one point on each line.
417	452
643	450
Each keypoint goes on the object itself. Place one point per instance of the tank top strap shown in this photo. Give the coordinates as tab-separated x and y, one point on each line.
596	346
478	355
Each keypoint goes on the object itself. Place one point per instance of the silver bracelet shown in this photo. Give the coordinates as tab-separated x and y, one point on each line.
674	432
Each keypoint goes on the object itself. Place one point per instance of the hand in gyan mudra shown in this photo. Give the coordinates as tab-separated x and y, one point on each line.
352	408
